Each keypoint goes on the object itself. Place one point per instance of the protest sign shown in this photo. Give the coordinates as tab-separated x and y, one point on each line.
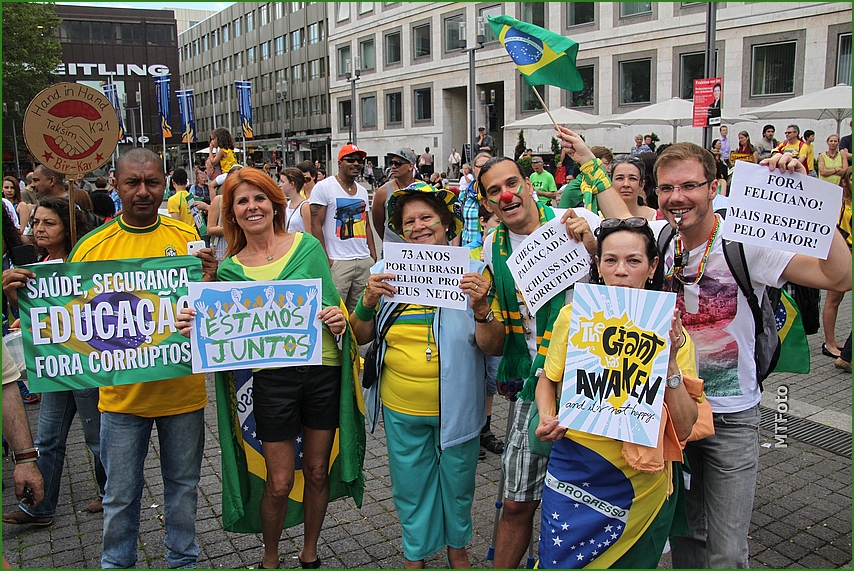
546	263
788	212
616	362
92	324
256	325
427	275
746	157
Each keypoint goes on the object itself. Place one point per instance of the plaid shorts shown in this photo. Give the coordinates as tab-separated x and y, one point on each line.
524	472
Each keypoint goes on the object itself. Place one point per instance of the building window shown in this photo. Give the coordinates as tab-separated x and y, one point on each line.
343	60
773	69
250	20
205	43
280	10
369	111
533	13
297	6
264	12
265	50
529	100
421	40
843	60
236	27
485	13
452	33
281	76
366	7
634	8
281	45
345	111
692	66
423	104
392	48
250	55
343	12
297	39
635	86
585	97
314	69
226	64
299	108
314	33
215	37
238	60
157	34
578	13
394	108
225	36
367	51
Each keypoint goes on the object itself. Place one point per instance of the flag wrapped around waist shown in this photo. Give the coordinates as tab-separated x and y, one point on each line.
794	347
243	469
244	106
112	93
164	108
542	57
186	109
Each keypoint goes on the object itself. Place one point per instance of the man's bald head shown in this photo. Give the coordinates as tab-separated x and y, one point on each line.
139	156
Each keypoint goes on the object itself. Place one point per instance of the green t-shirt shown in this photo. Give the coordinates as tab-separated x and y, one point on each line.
571	196
543	181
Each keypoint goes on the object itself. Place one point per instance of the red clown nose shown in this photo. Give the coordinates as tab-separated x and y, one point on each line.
507	196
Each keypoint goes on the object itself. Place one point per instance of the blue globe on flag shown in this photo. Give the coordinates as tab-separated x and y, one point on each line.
523	48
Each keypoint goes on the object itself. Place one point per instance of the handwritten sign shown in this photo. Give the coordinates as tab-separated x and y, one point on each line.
788	212
616	362
71	128
256	325
746	157
427	275
93	324
547	263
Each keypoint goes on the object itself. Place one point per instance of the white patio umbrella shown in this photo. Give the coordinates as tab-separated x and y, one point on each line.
831	103
564	116
675	112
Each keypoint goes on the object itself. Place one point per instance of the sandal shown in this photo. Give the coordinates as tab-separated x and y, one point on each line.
491	442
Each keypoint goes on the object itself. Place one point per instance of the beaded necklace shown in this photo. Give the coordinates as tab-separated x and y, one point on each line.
680	259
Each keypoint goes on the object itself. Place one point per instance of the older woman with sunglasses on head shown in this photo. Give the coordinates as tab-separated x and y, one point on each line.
641	483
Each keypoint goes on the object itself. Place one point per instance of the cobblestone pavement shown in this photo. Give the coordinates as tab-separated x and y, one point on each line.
801	516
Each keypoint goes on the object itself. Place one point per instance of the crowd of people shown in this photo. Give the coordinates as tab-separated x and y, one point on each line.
437	369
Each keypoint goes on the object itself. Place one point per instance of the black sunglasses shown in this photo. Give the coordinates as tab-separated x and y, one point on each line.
359	160
397	163
634	222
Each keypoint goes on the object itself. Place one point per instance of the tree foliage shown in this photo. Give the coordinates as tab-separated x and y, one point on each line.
31	50
520	145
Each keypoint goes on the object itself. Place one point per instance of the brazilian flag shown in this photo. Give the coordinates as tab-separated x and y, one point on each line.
794	347
543	57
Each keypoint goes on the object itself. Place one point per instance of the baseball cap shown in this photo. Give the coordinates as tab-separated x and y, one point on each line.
536	159
481	128
348	150
405	154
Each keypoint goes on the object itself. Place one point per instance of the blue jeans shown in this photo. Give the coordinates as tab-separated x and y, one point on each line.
55	416
720	499
124	446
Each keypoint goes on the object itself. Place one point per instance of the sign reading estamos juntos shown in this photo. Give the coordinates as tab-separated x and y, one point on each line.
71	128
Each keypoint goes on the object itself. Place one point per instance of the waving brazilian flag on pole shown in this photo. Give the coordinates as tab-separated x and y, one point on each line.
543	57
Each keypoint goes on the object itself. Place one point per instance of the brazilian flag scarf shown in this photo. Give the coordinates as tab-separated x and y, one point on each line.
243	469
516	361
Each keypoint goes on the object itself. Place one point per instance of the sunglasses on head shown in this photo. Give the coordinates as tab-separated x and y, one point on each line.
359	160
397	163
634	223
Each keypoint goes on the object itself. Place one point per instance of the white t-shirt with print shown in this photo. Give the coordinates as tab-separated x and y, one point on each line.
346	225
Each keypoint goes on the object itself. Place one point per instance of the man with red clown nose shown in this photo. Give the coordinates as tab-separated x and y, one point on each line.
509	195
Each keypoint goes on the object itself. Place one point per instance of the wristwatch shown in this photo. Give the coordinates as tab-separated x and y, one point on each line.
674	381
489	317
25	455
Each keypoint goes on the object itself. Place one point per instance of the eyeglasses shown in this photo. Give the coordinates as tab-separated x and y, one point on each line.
397	164
687	187
358	160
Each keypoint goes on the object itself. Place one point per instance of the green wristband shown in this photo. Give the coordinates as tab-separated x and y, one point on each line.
364	313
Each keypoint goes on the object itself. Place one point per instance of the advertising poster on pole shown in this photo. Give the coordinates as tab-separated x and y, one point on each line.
708	101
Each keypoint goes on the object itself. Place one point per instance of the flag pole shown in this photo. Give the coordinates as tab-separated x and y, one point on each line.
546	107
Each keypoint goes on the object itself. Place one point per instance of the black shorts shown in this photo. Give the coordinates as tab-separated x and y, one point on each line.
289	398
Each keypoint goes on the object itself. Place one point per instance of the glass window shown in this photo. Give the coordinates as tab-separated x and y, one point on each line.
250	55
773	69
265	50
297	39
585	97
299	106
296	6
635	86
314	69
313	33
264	12
238	60
158	34
367	51
692	66
533	13
843	60
369	111
344	112
225	36
236	27
487	29
314	103
281	46
281	76
634	8
215	37
226	63
529	100
343	60
421	40
452	33
250	20
280	10
423	104
392	48
365	7
393	108
343	12
132	34
578	13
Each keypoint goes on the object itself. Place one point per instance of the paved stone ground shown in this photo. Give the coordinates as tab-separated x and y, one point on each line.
801	517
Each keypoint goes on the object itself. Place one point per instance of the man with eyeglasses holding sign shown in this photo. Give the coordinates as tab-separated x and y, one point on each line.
339	219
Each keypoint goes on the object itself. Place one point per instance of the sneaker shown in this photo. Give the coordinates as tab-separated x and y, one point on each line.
96	505
31	398
20	517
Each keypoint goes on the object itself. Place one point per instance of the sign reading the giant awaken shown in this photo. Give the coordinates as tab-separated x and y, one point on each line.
789	212
91	324
547	263
616	362
71	128
427	275
256	325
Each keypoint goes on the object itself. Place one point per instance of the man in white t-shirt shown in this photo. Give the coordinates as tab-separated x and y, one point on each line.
720	494
339	219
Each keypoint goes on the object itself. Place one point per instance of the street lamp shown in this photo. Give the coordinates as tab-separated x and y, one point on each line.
15	135
281	96
479	41
353	78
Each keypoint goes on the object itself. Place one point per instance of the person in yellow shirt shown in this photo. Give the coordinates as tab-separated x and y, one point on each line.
183	206
128	412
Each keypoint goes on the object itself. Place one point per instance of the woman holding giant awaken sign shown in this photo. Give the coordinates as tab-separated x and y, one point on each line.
291	400
431	386
609	503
